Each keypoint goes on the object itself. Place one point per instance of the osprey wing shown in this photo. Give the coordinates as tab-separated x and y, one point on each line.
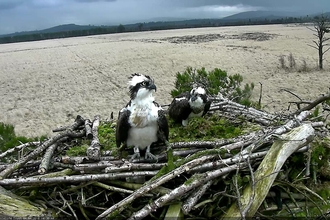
163	129
206	107
122	126
180	109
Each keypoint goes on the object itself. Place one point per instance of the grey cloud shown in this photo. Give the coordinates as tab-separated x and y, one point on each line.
10	4
92	1
25	15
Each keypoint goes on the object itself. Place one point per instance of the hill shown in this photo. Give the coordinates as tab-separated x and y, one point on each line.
262	15
59	28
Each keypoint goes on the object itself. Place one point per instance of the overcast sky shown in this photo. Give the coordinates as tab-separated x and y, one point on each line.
27	15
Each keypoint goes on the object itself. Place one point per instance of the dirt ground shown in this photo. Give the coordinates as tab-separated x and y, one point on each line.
46	84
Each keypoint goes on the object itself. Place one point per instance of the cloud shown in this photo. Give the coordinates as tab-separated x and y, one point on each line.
92	1
10	4
26	15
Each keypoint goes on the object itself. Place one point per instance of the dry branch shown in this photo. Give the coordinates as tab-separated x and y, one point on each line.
269	168
18	148
196	181
93	151
72	179
43	168
201	162
153	184
88	128
194	197
11	168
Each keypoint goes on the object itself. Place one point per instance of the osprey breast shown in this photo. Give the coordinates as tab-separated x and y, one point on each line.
142	117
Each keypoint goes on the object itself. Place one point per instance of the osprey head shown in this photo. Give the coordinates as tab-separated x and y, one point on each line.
196	92
141	86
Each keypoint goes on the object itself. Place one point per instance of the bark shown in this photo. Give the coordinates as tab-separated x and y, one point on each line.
194	197
13	206
81	159
234	109
88	127
268	170
37	181
93	151
43	168
79	121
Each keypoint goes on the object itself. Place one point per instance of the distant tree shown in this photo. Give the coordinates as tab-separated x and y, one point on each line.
140	25
120	28
321	27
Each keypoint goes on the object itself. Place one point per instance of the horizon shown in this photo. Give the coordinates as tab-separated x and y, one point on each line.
160	19
32	15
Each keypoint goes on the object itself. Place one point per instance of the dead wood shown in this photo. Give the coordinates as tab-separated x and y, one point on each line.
11	168
88	128
200	167
268	170
93	151
18	148
43	168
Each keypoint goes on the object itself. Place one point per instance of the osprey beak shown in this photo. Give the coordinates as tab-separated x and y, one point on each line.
152	86
193	98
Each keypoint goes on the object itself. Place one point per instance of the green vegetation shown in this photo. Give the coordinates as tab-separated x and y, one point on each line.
209	128
8	138
215	81
77	150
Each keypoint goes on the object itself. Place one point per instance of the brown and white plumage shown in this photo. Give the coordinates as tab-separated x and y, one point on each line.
142	121
189	104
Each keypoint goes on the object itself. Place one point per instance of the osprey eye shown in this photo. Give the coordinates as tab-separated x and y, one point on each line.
144	83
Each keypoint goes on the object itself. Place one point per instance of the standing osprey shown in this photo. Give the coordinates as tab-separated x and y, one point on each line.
189	104
142	122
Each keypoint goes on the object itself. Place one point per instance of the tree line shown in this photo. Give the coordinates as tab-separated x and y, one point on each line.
149	26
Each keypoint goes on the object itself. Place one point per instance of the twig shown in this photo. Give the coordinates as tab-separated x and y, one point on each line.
11	168
19	147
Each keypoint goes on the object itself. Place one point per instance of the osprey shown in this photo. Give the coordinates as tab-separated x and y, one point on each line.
142	121
189	104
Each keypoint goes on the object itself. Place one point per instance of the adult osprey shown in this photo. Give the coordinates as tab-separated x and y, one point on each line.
189	104
142	122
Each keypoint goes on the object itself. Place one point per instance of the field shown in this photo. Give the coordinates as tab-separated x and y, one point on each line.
46	84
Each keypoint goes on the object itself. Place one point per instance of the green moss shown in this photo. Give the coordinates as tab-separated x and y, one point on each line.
77	150
194	177
210	127
107	136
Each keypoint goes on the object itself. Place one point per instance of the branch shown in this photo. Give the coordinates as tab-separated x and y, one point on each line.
20	147
270	166
11	168
43	168
313	104
152	185
194	197
72	179
195	181
93	151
